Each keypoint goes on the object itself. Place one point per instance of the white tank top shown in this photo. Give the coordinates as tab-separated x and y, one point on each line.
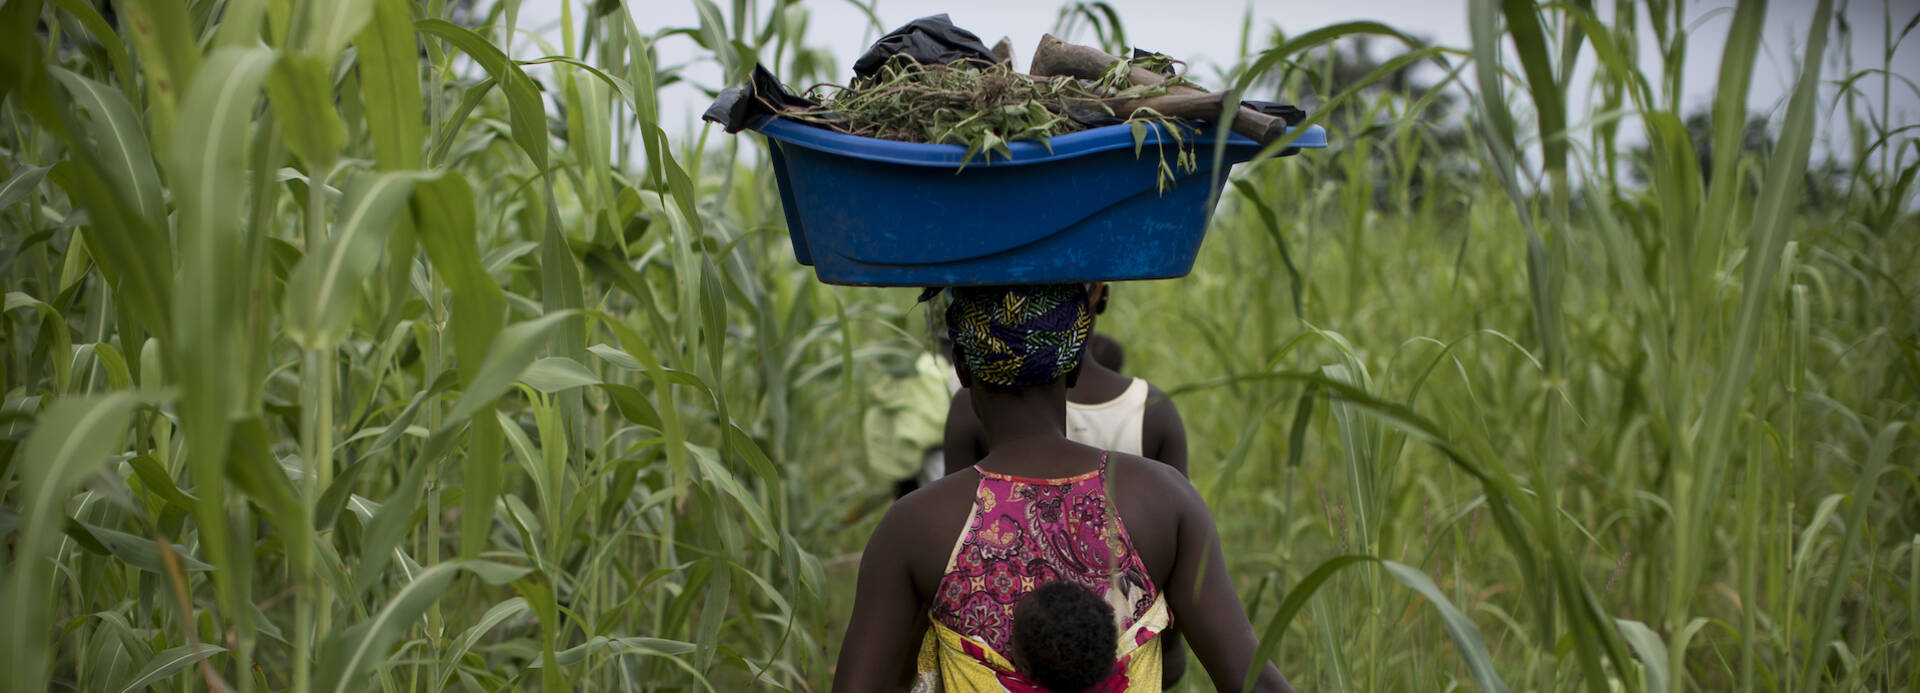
1115	424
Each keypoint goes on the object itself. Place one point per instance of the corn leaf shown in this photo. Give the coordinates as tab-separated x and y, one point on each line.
323	293
389	71
363	648
301	91
166	663
162	37
69	442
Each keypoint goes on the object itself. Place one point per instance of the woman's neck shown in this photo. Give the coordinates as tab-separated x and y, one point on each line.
1032	414
1026	432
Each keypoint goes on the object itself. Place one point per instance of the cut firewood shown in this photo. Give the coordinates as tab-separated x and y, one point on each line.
1055	57
1200	106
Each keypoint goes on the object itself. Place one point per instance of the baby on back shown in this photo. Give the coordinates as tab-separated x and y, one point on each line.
1064	640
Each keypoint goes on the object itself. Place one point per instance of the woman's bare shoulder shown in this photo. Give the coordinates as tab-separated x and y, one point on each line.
1153	500
1142	472
922	526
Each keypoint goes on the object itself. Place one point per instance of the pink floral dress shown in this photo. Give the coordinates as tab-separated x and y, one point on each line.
1023	533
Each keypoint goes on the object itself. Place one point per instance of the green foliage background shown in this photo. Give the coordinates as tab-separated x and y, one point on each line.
338	352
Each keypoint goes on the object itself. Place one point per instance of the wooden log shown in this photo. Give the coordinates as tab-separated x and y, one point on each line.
1202	106
1055	57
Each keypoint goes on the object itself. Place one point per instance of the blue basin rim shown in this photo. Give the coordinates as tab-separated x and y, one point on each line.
951	155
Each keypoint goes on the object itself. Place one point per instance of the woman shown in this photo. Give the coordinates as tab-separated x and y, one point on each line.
1106	410
942	574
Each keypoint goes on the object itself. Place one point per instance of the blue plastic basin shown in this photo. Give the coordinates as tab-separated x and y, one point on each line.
870	212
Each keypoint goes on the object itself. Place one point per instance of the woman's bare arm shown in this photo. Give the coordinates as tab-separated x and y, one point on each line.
1206	606
885	630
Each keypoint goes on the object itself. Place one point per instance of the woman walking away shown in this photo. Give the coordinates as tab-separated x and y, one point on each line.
1104	409
942	575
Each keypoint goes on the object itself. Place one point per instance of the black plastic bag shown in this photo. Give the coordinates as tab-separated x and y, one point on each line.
928	40
1287	112
736	108
1164	70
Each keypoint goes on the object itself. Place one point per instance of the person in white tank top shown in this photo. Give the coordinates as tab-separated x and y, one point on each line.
1105	409
1116	424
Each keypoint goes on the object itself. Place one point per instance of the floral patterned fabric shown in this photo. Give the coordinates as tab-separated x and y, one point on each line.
1024	533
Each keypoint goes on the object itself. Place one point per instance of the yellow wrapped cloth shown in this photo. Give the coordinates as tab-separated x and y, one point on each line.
953	663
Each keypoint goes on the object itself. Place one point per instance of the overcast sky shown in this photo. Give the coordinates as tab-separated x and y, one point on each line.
1205	33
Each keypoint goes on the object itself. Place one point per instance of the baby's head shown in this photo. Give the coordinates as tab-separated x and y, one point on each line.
1064	637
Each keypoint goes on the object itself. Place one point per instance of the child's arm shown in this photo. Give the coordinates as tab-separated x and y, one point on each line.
885	629
1166	434
1173	658
962	444
1206	605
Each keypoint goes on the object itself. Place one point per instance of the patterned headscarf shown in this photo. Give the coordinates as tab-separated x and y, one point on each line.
1020	336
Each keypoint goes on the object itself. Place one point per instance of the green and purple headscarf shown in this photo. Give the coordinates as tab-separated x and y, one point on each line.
1020	336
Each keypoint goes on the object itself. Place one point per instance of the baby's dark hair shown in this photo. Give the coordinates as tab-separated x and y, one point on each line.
1064	637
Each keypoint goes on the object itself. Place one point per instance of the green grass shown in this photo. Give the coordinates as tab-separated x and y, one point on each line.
336	354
